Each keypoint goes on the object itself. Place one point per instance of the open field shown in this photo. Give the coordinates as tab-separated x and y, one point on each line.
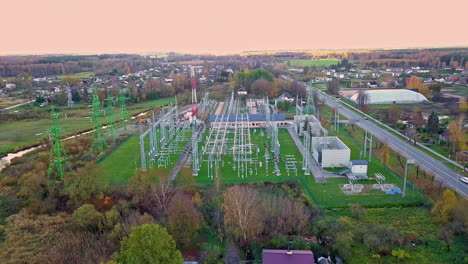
413	222
313	62
457	90
16	134
10	101
81	75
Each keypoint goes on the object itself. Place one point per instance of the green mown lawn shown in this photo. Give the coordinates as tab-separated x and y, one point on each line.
314	62
120	164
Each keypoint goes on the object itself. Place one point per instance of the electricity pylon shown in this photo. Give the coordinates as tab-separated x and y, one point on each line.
57	152
110	117
310	106
99	141
123	109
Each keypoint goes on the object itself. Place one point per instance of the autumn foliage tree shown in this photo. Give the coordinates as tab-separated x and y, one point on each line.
264	88
416	83
450	213
457	134
242	216
184	220
362	100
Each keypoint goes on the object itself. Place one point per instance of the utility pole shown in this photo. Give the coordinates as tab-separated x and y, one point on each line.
408	161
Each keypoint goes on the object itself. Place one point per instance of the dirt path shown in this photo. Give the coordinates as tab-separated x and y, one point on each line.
232	253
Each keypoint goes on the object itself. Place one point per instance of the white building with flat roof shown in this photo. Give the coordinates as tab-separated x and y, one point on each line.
330	152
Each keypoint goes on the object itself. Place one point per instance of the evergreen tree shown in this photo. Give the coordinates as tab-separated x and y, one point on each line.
433	124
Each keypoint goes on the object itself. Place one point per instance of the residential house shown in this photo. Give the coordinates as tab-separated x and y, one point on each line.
283	256
285	97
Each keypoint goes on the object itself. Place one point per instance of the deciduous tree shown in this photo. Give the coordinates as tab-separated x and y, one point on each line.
183	219
149	244
362	100
333	87
242	216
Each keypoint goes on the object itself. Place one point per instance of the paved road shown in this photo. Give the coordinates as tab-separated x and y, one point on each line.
185	154
319	174
427	163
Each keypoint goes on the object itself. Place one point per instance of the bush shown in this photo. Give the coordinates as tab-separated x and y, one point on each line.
278	242
87	217
211	254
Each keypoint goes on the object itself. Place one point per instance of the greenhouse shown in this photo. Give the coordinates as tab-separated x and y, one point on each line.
392	96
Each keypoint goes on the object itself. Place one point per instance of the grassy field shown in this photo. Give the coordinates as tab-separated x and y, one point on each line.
261	143
10	101
120	164
457	90
313	62
81	75
16	134
412	222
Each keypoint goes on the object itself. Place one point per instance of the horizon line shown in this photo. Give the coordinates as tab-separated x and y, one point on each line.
234	53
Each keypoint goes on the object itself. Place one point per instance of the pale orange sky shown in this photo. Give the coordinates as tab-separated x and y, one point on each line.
220	27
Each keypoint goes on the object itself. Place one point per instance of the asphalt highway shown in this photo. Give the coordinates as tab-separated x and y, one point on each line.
430	165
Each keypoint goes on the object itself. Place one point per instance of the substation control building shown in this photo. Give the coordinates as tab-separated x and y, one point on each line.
330	152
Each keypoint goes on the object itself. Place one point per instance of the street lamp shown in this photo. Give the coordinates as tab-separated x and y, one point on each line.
408	161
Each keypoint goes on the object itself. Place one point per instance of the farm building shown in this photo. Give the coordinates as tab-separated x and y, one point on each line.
391	96
330	152
252	120
281	256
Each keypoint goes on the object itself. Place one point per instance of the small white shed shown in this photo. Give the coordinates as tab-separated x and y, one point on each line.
359	167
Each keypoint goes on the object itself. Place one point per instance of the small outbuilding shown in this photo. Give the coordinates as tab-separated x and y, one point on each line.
359	168
283	256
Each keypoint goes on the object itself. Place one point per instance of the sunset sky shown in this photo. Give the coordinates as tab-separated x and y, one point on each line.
221	27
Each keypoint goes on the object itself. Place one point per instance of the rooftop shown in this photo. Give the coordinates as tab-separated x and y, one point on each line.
282	256
250	117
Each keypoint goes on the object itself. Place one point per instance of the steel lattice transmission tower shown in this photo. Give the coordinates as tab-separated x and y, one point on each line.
57	152
310	106
194	94
123	109
99	141
110	117
70	102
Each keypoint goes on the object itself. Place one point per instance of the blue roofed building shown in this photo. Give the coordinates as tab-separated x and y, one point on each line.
252	120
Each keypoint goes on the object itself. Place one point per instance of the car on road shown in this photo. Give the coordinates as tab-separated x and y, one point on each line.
464	180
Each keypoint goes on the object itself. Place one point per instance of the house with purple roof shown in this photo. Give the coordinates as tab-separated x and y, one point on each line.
283	256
